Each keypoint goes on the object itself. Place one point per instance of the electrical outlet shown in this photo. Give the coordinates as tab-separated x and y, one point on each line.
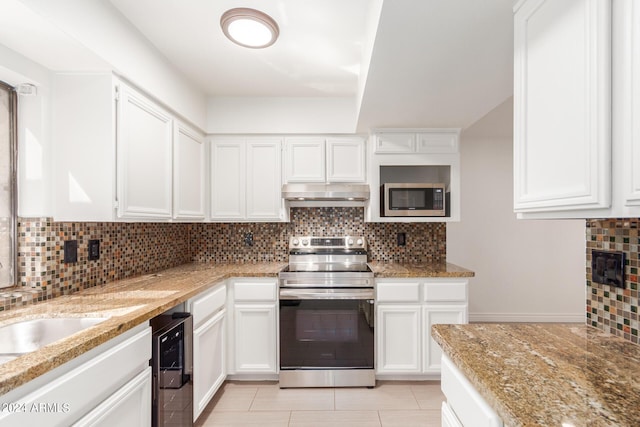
402	239
608	268
70	251
248	239
94	250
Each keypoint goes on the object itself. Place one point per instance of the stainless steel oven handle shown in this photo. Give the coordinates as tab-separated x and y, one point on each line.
299	294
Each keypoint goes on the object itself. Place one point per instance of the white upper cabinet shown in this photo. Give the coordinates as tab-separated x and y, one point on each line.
228	179
627	99
246	178
562	107
402	141
305	160
189	173
321	160
346	160
144	162
577	123
119	155
83	126
264	173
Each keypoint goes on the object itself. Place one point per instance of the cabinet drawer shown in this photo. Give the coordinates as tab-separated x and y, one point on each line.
255	291
203	307
445	291
398	292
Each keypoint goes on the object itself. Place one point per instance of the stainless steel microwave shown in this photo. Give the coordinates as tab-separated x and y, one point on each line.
413	199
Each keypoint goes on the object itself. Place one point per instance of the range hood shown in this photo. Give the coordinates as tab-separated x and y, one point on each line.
326	193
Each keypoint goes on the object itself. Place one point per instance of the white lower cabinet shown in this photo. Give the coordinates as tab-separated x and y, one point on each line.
253	352
255	338
438	314
398	335
464	405
108	385
209	345
406	310
127	407
208	361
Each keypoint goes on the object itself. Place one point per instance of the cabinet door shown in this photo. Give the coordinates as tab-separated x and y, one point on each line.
562	105
395	142
433	315
305	160
255	338
228	179
208	361
346	160
398	338
264	179
189	173
437	142
128	407
144	157
628	94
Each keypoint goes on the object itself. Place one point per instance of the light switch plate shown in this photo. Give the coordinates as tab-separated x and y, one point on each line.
607	268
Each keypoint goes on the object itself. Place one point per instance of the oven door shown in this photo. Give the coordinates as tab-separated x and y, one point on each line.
326	328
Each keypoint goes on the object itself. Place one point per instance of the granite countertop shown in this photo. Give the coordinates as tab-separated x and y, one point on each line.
127	303
130	302
548	374
445	269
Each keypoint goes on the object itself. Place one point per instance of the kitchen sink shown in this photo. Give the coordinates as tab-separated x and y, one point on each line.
30	335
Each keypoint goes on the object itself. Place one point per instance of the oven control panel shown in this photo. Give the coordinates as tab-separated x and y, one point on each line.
313	242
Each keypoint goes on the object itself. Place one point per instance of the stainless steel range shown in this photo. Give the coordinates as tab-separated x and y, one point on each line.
327	314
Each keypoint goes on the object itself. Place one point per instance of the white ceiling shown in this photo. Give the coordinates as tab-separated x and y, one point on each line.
405	63
318	52
435	63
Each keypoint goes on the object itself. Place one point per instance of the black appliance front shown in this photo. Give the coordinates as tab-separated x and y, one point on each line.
172	367
326	334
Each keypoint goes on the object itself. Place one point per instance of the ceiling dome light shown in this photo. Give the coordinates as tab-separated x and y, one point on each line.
249	27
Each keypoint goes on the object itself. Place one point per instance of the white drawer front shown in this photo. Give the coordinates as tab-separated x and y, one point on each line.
398	292
255	291
206	305
445	291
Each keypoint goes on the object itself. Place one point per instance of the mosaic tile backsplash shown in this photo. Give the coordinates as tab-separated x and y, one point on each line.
132	249
609	308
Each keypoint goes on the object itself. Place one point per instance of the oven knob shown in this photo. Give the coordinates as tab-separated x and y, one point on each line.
350	242
295	242
359	242
305	242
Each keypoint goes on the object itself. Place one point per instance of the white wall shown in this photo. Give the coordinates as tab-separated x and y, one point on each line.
99	27
525	270
34	133
280	115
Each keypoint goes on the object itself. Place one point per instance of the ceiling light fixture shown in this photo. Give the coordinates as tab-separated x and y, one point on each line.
249	27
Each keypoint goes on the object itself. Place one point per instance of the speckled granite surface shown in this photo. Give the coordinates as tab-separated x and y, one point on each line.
383	269
130	302
127	303
548	374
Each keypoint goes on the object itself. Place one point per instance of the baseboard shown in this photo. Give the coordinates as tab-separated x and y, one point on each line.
528	317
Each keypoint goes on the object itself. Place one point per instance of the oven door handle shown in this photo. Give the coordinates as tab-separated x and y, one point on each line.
300	294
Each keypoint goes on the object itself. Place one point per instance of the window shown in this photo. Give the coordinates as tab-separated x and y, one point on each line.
8	242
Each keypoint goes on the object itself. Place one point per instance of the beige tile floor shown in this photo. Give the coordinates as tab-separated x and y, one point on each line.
390	403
